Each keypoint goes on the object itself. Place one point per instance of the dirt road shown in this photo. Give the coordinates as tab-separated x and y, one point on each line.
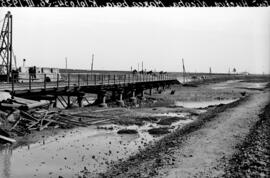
207	150
203	152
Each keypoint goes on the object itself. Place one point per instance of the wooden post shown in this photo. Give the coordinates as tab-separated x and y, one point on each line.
78	79
95	78
79	98
57	81
68	80
87	79
29	81
68	104
44	81
12	85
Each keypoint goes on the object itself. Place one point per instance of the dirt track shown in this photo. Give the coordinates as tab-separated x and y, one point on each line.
207	150
203	150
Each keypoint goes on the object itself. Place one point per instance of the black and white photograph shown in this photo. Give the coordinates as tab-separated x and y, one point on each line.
111	92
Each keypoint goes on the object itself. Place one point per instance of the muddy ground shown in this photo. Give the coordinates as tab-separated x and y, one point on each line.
180	118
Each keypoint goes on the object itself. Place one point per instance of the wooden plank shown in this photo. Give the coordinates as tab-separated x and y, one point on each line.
23	100
7	139
48	123
37	104
41	121
28	116
16	123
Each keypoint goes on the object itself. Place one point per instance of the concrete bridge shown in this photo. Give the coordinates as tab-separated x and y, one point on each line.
77	85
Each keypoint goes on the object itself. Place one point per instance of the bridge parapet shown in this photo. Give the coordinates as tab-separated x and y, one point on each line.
79	80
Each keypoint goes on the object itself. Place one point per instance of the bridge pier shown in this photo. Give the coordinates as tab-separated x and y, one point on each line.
133	98
120	101
55	102
68	101
102	97
142	94
79	99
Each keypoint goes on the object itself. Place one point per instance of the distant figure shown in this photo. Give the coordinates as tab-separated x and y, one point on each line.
134	71
34	72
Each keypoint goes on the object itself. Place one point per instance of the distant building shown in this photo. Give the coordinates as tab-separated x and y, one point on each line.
244	73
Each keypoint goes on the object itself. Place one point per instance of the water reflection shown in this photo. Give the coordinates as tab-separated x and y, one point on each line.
71	151
6	155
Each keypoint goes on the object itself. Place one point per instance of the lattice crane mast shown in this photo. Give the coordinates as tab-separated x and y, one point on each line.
6	52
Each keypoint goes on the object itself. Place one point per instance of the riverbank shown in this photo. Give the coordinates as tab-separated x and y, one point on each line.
201	148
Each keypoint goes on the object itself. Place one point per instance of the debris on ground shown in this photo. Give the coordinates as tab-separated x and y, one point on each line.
19	117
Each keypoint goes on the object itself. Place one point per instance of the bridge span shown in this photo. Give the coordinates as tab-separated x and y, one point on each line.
77	85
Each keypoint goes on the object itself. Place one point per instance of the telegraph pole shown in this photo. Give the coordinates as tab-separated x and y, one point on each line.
184	71
66	64
92	64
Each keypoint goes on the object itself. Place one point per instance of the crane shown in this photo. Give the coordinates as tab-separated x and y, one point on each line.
6	50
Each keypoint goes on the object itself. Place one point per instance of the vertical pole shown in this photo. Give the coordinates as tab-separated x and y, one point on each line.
125	79
10	70
95	78
87	79
92	64
68	80
78	79
66	64
8	50
12	83
102	76
114	79
57	81
29	81
68	101
44	81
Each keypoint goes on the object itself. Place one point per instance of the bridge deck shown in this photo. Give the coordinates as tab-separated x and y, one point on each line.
85	83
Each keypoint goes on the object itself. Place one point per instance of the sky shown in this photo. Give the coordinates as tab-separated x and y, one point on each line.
121	38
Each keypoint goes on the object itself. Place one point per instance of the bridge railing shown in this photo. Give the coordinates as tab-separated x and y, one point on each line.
43	81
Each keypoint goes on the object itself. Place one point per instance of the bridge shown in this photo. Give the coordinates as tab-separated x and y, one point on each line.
106	86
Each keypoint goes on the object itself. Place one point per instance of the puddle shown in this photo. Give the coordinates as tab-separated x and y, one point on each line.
182	114
202	104
252	85
67	153
238	84
224	85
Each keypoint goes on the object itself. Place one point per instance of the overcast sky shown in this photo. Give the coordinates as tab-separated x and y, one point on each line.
220	38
